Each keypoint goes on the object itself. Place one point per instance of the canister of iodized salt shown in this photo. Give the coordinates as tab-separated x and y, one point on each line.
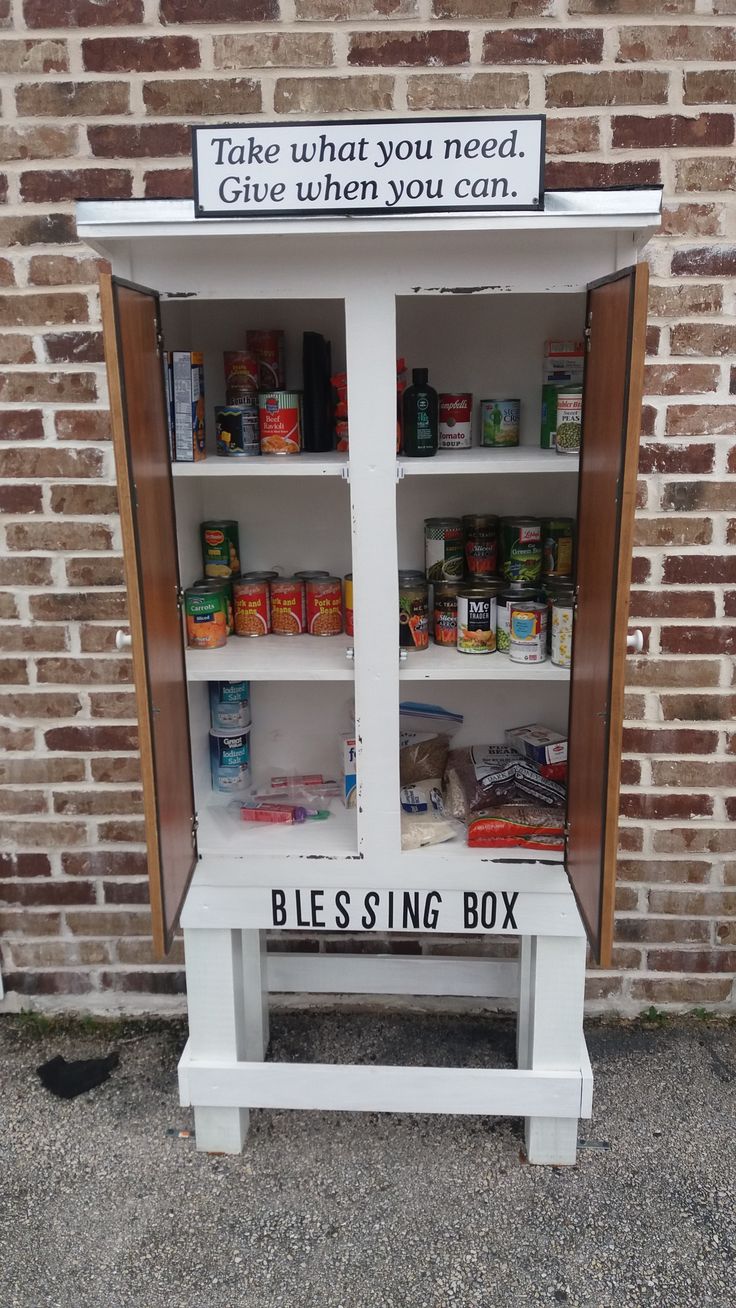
230	761
229	705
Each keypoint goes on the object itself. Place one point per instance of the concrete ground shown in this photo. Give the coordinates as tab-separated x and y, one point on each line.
100	1207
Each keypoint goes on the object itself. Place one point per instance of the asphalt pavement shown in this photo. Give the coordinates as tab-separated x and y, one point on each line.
104	1205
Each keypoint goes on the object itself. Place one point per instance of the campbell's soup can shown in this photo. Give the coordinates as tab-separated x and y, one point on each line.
455	422
230	761
241	374
528	632
205	613
349	604
280	422
268	347
288	616
323	601
220	548
229	705
252	604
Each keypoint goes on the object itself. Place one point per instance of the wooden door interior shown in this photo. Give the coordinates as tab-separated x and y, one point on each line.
130	316
614	371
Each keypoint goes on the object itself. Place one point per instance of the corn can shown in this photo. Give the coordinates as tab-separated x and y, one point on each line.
220	548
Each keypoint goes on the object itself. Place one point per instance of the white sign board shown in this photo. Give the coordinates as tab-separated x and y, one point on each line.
385	166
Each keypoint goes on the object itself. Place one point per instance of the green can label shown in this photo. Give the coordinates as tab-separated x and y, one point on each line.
522	550
220	549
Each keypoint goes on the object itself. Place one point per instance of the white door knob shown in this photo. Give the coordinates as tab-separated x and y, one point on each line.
635	642
123	640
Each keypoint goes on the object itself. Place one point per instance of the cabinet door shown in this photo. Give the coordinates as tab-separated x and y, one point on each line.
614	370
130	316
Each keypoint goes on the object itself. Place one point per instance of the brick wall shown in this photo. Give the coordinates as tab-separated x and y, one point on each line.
96	97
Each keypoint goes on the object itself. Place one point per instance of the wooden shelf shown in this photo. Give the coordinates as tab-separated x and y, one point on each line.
222	831
521	459
273	658
329	464
442	663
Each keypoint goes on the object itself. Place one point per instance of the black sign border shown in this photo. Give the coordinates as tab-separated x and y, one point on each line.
200	212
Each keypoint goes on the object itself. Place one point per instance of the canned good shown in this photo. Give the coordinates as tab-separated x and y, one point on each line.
528	632
287	606
443	549
241	374
230	761
280	422
229	705
476	620
557	546
413	611
220	548
311	576
552	588
562	624
349	604
237	429
444	626
205	612
205	583
521	549
455	422
252	604
268	347
520	594
324	606
499	423
569	430
480	532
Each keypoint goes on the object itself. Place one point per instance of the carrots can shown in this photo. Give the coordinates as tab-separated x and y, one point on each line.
324	606
288	616
280	422
205	610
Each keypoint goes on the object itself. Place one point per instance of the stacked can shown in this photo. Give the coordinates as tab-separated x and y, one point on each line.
237	420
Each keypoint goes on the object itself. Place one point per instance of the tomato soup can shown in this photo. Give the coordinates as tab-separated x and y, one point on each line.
528	632
499	423
229	705
455	422
230	761
557	546
288	615
349	631
220	548
444	625
252	604
413	611
280	422
443	549
205	613
323	600
237	429
476	620
480	533
268	347
521	549
241	374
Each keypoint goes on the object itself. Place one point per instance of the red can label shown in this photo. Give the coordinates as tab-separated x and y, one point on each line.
287	607
324	607
455	422
241	373
252	608
279	421
268	347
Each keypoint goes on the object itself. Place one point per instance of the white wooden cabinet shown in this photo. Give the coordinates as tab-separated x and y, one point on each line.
473	299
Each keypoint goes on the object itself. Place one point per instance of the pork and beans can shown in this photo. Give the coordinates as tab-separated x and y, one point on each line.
229	705
280	422
557	546
288	616
324	606
444	627
230	761
252	604
349	631
205	613
476	620
480	533
521	549
528	632
455	422
443	549
503	605
237	429
413	611
499	423
241	374
220	548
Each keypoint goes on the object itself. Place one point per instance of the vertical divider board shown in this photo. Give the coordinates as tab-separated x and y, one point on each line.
370	327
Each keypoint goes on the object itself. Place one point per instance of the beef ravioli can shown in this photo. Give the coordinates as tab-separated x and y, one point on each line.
230	761
229	705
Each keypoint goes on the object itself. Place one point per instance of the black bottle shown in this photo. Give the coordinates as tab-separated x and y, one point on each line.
421	416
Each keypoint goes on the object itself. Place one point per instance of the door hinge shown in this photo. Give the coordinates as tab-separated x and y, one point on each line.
159	344
179	598
195	824
345	472
399	471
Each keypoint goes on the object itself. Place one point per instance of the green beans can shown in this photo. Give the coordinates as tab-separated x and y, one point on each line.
444	549
569	431
521	549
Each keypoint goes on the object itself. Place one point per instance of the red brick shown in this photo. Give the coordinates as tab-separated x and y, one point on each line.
602	987
45	141
497	90
95	572
726	933
7	273
692	219
409	49
112	738
37	771
634	706
686	872
694	840
60	953
698	640
709	86
661	931
34	57
643	131
684	673
653	338
115	769
62	270
660	740
689	569
82	13
664	807
77	803
15	348
89	671
630	839
48	387
16	637
74	347
40	229
49	983
334	95
152	141
626	898
543	45
700	420
13	672
126	892
147	983
43	309
43	187
202	96
58	536
113	704
71	606
697	708
633	86
343	11
690	44
705	174
273	50
640	569
109	923
694	990
24	865
692	960
705	261
25	572
678	301
681	378
84	500
168	184
20	499
671	604
44	835
39	705
729	600
693	903
676	458
16	738
631	6
82	425
34	462
122	832
630	772
587	174
135	54
104	863
693	772
72	99
707	338
219	11
572	135
672	531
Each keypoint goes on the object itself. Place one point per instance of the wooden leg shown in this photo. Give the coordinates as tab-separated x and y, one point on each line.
255	996
523	1014
217	1026
554	1036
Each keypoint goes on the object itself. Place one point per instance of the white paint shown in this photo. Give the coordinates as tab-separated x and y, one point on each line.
392	974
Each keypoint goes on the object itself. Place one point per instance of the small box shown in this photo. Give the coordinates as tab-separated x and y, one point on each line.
537	743
185	388
349	772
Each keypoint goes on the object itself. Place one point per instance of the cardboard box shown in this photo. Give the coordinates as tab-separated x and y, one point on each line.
349	772
185	389
538	743
564	365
